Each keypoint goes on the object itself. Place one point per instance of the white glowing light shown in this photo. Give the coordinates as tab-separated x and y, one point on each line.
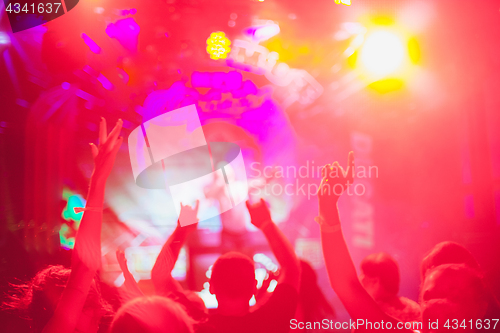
382	53
272	286
260	275
262	33
4	38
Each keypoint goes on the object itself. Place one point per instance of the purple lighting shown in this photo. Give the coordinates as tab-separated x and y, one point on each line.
126	32
219	80
91	44
105	82
248	88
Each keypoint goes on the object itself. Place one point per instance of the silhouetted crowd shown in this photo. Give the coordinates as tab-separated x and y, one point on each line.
453	295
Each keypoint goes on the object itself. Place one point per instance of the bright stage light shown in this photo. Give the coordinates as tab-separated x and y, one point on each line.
262	32
382	53
4	38
343	2
218	45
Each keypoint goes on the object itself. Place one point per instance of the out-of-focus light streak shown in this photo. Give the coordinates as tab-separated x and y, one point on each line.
262	33
218	45
4	38
105	82
91	44
12	72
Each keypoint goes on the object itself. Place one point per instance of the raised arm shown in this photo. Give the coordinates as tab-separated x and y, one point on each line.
131	287
161	274
341	271
281	247
86	258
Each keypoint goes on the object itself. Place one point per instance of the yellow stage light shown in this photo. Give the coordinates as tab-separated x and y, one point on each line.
218	45
383	53
343	2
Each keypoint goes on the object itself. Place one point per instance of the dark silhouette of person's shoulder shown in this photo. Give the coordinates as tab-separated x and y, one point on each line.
274	316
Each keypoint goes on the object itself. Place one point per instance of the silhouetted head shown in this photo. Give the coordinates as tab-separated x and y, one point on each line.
233	277
380	275
153	314
447	253
192	303
453	291
38	300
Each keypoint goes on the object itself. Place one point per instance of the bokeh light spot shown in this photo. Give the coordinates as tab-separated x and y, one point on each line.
218	45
